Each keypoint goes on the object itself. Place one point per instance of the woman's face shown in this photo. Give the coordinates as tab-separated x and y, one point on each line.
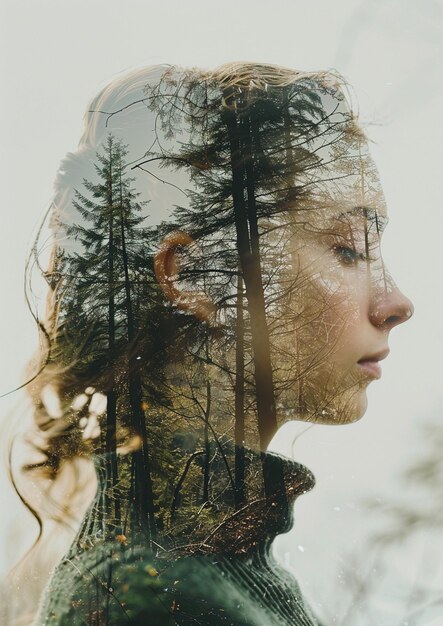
346	302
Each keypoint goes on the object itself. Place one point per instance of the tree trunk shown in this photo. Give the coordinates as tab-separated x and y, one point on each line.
207	416
247	244
239	428
246	222
112	500
142	488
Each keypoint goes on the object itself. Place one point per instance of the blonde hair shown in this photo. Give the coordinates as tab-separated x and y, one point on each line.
121	96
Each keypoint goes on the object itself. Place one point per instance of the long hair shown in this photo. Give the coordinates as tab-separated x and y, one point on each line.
173	140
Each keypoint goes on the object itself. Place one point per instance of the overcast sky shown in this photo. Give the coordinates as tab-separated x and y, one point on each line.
56	54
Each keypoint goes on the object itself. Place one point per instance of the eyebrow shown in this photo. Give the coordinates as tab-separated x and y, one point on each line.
368	213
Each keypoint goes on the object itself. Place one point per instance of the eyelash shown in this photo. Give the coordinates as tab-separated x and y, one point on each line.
348	255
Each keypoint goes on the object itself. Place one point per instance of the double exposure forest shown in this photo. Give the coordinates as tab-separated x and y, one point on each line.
194	381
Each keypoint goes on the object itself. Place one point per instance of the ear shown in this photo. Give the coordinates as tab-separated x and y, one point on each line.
166	268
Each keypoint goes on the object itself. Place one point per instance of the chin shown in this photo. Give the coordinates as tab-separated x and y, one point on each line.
356	407
335	406
349	408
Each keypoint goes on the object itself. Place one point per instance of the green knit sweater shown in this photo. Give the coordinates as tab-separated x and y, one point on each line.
115	582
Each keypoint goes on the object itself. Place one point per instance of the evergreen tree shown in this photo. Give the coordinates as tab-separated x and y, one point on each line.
248	157
107	295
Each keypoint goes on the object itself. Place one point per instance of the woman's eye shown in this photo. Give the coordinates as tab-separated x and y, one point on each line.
347	255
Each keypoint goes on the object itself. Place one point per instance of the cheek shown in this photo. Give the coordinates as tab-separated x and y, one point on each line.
343	300
331	302
332	313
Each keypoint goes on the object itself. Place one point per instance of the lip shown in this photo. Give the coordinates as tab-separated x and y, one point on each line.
370	364
372	368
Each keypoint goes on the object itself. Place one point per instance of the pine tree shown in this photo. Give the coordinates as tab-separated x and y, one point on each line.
111	240
244	154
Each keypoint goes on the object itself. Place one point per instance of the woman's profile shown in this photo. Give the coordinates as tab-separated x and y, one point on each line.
216	272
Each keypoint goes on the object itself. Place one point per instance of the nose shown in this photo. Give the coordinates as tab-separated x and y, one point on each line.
390	307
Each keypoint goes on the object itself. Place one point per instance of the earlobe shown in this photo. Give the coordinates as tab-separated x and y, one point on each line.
166	268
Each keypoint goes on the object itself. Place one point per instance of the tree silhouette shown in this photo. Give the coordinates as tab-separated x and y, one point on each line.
106	297
245	157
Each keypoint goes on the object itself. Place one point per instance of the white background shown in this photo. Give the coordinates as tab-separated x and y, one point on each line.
56	54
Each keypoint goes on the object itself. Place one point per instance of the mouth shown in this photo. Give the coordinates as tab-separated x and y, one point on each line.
370	364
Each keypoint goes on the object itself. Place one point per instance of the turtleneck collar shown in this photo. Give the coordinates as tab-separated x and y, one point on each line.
262	515
225	523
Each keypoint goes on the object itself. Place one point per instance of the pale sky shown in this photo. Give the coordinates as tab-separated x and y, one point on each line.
56	54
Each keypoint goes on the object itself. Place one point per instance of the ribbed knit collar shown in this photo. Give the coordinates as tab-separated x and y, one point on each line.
257	521
222	525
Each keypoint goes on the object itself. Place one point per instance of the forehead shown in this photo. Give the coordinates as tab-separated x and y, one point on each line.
344	190
355	221
367	218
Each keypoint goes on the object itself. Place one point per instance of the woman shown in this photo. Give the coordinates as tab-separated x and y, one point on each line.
216	272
